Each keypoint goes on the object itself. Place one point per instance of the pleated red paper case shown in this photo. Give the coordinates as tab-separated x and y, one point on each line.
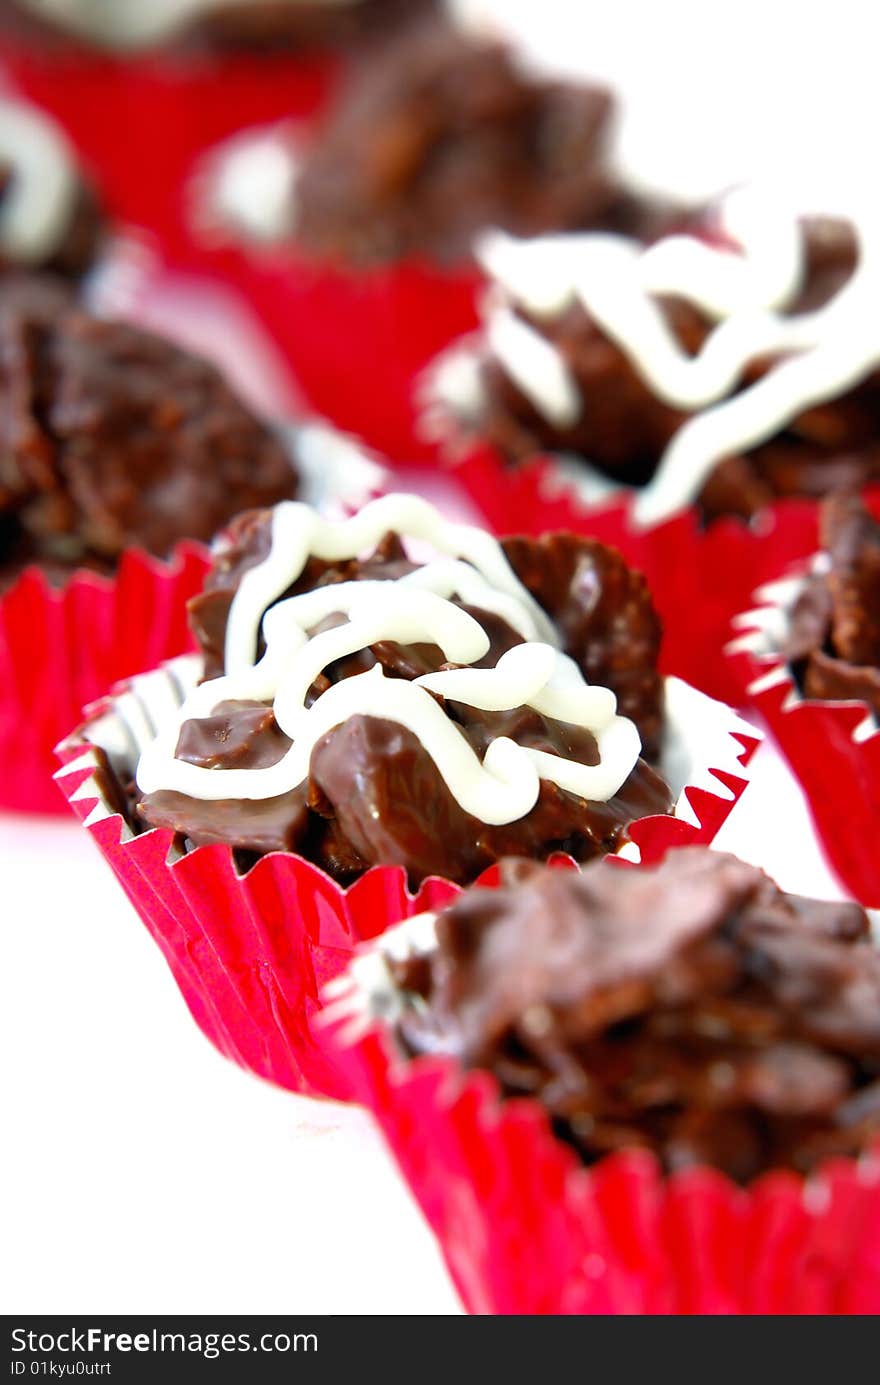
140	122
525	1229
355	340
838	769
700	577
63	647
250	952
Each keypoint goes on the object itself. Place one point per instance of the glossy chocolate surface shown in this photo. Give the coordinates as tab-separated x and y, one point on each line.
373	794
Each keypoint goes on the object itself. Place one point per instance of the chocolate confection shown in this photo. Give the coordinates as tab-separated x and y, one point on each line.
441	136
250	25
373	794
834	638
692	1009
111	437
623	424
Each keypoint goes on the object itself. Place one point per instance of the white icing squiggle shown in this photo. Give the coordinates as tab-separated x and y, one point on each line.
536	367
414	609
36	208
823	353
299	533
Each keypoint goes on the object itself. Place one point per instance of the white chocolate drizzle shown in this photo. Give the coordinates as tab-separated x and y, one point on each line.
413	609
36	207
299	532
820	354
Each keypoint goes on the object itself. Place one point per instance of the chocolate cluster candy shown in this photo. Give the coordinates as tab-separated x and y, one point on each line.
111	437
693	1009
130	26
442	135
724	364
49	216
399	774
834	638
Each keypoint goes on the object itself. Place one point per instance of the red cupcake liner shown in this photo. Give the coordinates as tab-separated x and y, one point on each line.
700	577
61	648
828	745
355	340
250	952
526	1229
139	123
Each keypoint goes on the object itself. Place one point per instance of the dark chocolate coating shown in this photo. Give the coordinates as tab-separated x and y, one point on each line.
623	429
834	639
691	1008
441	136
111	437
604	613
373	794
390	803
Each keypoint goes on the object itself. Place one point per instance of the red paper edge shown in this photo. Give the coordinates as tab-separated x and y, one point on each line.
840	776
539	1233
399	317
174	106
250	952
60	646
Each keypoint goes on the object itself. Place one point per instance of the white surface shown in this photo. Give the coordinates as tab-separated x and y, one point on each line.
142	1172
717	94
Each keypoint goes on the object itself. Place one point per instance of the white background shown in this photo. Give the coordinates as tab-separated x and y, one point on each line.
142	1172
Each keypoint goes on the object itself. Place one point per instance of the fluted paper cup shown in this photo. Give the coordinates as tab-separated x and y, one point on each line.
525	1228
832	747
250	950
61	647
140	122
